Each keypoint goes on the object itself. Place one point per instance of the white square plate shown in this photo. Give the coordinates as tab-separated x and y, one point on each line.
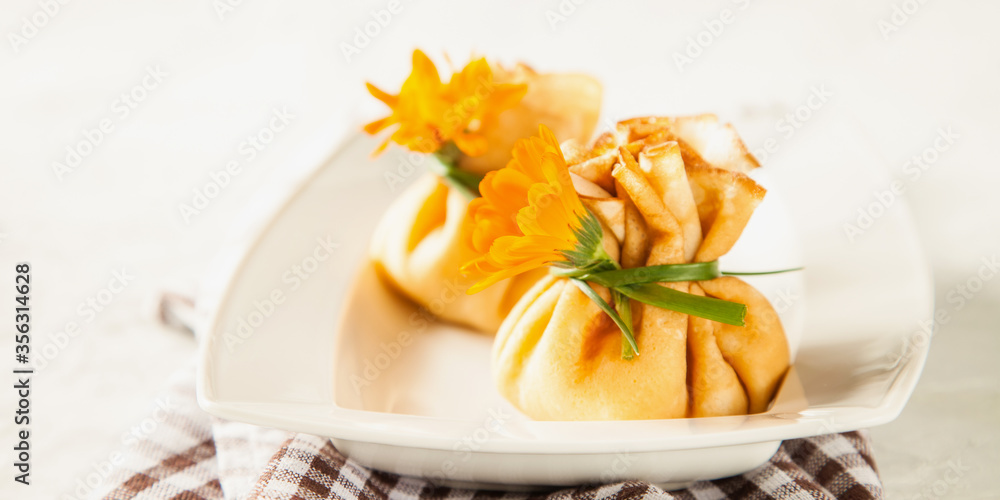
304	338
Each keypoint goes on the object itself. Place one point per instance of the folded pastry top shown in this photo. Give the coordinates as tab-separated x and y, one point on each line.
417	247
666	191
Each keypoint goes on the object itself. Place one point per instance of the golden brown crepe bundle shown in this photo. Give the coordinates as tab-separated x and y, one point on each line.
682	198
418	245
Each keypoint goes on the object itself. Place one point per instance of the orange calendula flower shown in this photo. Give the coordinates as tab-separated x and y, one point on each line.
529	215
430	113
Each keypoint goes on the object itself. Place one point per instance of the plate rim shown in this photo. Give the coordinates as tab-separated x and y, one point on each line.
309	163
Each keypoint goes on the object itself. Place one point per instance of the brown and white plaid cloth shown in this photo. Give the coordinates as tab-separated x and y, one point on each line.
185	454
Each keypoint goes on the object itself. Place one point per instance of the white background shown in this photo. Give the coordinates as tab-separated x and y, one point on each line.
227	70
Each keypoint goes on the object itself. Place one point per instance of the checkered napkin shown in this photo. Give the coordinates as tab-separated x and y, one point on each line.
189	455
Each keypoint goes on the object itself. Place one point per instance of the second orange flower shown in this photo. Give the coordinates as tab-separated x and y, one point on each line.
431	114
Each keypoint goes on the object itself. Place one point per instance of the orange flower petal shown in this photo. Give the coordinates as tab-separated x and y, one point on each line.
389	100
470	144
528	213
504	274
378	125
423	68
